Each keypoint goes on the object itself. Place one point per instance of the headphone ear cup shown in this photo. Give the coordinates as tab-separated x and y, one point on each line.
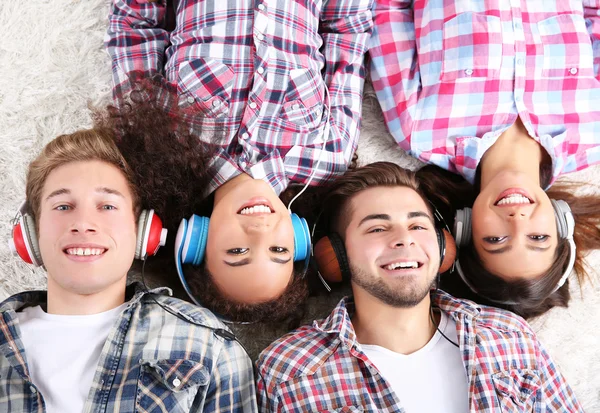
194	242
151	235
141	239
332	262
447	250
462	227
565	222
24	241
301	238
28	226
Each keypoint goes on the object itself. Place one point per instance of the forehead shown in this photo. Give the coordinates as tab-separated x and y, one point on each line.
386	199
86	175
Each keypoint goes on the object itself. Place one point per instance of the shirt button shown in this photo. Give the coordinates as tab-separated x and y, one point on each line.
518	98
261	70
245	135
520	62
190	99
573	71
216	103
468	72
243	164
261	7
253	105
33	390
176	382
518	26
295	106
260	36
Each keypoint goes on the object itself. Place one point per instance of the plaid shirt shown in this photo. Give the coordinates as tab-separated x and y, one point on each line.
151	362
322	367
451	76
255	71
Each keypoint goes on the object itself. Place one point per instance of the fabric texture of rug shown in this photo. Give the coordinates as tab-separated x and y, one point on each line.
53	67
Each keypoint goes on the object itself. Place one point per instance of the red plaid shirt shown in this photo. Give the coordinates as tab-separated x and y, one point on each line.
256	72
451	76
322	367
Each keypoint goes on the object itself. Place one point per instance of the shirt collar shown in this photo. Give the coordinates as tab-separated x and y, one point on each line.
339	322
133	294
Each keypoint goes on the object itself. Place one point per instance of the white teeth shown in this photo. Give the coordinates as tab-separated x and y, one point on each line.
407	264
256	209
514	199
85	251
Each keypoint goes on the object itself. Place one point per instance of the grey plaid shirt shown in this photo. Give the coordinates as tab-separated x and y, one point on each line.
152	361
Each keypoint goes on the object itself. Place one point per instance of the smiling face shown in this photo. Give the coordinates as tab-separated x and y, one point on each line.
514	228
392	245
87	228
250	246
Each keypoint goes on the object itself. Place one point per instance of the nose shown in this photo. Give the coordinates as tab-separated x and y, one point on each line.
82	224
517	213
400	239
258	227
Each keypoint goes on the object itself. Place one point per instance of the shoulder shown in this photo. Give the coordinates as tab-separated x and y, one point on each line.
298	353
497	319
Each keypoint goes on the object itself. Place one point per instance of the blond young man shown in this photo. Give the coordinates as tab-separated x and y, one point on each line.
90	342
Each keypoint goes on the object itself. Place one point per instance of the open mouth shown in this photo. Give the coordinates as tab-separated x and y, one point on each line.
256	206
514	197
84	252
402	265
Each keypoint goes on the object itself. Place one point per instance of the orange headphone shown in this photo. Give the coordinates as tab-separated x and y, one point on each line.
332	262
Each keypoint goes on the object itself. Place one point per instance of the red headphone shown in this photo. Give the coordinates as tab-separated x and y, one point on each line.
150	236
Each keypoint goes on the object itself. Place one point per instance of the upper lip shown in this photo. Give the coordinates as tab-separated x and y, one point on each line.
254	202
84	245
512	191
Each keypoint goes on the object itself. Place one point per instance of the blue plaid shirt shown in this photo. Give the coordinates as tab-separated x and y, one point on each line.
152	361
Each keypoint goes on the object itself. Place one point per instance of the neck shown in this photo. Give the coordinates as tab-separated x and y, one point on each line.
402	330
230	185
514	151
63	302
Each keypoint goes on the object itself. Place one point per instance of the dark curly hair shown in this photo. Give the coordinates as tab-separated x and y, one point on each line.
170	166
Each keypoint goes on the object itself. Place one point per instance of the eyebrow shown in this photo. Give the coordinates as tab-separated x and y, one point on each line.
102	189
509	247
386	217
247	261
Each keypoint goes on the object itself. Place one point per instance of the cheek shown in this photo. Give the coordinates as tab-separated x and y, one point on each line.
361	251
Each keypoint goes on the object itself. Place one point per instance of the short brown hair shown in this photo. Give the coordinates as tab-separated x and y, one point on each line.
339	194
85	145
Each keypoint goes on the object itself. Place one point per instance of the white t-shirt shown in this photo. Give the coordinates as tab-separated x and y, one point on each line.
432	379
63	352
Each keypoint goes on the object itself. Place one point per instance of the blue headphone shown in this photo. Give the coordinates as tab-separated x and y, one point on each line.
192	235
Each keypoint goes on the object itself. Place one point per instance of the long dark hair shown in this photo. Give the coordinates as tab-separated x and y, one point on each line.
451	192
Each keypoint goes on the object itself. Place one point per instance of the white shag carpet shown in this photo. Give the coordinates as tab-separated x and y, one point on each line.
53	66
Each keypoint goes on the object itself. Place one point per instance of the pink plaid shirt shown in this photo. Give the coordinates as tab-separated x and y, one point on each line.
451	76
322	368
255	71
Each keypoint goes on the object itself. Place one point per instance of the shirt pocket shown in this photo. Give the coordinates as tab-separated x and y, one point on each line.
304	99
169	385
205	85
567	47
472	47
516	390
